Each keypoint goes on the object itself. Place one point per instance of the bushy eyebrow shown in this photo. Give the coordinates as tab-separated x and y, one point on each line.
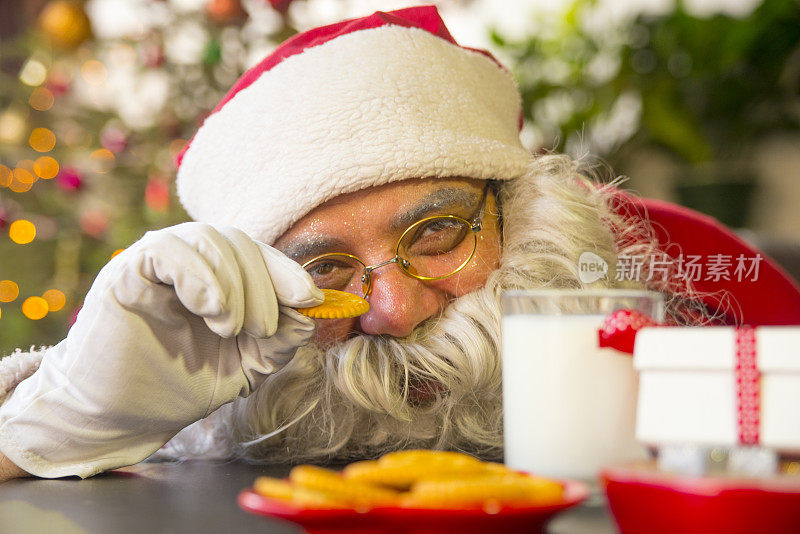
441	201
311	248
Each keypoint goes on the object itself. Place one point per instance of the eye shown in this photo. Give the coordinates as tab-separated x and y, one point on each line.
331	273
436	236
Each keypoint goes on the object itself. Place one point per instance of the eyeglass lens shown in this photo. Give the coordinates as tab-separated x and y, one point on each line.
433	248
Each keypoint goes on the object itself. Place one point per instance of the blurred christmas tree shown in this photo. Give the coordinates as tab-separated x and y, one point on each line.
96	100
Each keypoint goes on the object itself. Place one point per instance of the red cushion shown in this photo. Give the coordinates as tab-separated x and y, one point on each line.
771	298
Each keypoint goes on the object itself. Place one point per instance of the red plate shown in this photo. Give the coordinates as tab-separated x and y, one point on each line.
508	520
643	499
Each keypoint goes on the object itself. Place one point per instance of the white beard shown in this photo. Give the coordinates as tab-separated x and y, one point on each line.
357	399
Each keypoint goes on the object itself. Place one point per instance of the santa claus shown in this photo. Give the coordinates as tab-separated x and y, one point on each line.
375	156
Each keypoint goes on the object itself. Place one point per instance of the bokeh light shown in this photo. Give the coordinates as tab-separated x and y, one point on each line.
77	137
34	308
27	164
5	176
65	23
123	55
9	291
175	147
46	227
115	253
103	160
42	140
156	195
20	187
46	167
55	299
21	231
12	127
24	176
33	73
41	99
22	179
94	72
93	222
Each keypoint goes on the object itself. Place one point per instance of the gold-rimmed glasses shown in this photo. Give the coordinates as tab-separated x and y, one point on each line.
432	248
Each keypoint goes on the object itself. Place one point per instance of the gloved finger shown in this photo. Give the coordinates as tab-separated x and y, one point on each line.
301	325
293	285
260	302
266	355
199	265
166	259
218	253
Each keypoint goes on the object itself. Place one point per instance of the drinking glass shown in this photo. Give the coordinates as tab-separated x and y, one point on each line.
569	405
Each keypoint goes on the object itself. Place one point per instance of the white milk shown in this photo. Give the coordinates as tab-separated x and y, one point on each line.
569	406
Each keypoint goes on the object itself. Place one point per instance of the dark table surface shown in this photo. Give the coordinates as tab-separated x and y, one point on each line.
187	498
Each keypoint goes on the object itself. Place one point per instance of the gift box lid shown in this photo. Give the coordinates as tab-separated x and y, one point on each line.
713	348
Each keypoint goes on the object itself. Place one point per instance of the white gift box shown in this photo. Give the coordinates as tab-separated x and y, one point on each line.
688	387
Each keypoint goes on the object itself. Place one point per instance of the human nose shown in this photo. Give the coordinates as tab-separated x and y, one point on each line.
398	303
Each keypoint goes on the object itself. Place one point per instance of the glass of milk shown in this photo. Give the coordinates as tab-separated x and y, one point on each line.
569	406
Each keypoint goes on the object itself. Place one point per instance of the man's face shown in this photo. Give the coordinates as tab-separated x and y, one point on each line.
368	224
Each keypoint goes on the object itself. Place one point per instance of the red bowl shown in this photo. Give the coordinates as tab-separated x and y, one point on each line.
643	499
509	519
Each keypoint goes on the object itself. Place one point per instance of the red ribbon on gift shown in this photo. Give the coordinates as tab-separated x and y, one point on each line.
748	386
619	329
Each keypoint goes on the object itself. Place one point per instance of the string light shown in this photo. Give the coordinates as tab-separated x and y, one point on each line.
9	291
55	299
42	140
22	232
34	308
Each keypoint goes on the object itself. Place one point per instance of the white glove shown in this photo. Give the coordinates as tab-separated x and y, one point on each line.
183	321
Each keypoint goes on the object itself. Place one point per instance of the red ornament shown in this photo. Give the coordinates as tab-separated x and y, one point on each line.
619	329
280	5
152	55
58	83
156	195
224	11
69	179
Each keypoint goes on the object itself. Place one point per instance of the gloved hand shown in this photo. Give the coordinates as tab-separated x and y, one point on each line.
183	321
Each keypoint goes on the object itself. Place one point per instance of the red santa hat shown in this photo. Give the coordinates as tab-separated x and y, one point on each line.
343	107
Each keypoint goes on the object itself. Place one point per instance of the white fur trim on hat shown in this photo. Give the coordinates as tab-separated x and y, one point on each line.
367	108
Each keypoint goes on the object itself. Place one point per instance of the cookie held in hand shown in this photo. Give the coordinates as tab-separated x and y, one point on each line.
337	305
